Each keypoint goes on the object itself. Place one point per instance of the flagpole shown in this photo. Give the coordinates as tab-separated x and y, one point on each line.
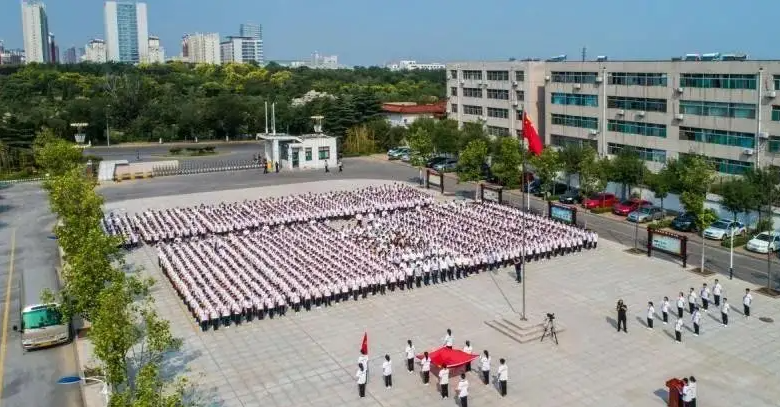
524	247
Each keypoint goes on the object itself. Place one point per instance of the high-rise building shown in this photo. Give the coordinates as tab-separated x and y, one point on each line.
70	56
35	26
185	47
96	51
241	50
251	30
324	61
127	31
156	51
723	106
203	48
54	49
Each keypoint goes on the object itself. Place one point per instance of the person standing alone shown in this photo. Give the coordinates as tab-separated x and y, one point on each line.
678	330
650	315
680	304
387	372
463	390
622	310
444	381
665	310
746	301
503	376
361	380
425	368
484	367
717	290
724	312
696	320
691	300
409	356
705	297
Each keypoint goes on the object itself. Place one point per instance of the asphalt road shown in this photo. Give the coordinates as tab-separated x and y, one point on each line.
153	152
29	378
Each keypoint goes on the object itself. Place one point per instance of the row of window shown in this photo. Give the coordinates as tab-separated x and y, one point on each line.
474	75
498	113
637	79
726	166
498	75
573	77
774	145
718	109
575	121
645	153
497	131
574	99
642	129
722	137
472	92
640	104
491	75
718	81
777	82
501	94
563	141
776	113
472	110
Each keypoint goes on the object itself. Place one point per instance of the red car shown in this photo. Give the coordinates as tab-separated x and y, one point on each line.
627	206
600	200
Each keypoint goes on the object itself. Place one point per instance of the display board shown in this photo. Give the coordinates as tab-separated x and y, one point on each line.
562	213
434	178
669	243
490	192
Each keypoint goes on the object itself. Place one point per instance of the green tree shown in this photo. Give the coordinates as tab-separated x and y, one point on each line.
571	157
446	136
471	160
359	141
738	196
470	132
507	162
694	177
54	155
660	184
766	182
421	144
594	172
547	164
627	169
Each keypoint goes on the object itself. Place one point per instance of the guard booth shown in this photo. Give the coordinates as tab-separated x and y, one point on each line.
490	192
668	243
308	151
435	179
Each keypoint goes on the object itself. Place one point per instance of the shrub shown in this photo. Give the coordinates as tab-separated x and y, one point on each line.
601	210
553	198
739	240
193	149
174	150
208	149
660	224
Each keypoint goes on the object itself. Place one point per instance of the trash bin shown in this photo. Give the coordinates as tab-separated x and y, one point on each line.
675	387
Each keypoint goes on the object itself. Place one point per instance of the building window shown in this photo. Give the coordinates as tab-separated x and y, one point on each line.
774	145
776	113
642	129
574	77
454	91
722	137
308	153
454	108
472	92
725	166
474	75
637	79
777	82
575	121
497	131
472	110
498	113
519	115
641	104
519	95
647	154
324	153
563	141
453	74
718	109
520	76
574	99
718	81
501	94
498	75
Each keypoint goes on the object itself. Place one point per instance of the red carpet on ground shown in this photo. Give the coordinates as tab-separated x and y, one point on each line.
451	357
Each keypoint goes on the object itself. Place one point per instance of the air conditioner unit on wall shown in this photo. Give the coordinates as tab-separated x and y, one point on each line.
547	78
748	151
515	103
577	86
599	79
514	83
770	94
641	114
621	112
593	132
679	116
462	82
763	135
680	90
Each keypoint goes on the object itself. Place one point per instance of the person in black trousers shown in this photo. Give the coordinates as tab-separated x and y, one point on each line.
519	270
622	310
361	380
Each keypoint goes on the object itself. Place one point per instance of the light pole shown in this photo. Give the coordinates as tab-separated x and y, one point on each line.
108	130
731	257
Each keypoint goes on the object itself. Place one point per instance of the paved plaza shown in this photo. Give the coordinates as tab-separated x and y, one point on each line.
309	358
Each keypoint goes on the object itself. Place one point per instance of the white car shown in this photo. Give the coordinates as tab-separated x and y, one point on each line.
764	242
720	229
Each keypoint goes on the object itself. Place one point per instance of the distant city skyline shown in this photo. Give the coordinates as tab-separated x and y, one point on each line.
435	31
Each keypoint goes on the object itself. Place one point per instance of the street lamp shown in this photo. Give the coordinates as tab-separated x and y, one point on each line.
65	380
108	130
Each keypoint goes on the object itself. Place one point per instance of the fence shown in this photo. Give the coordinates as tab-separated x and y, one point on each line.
186	167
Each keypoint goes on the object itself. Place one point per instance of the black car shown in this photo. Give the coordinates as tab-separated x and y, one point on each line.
685	222
570	197
435	160
557	188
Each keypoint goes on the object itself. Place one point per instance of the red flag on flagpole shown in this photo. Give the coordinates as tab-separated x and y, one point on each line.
364	345
530	134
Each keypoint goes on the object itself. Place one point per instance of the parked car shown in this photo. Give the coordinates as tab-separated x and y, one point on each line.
450	164
720	229
570	197
684	222
764	242
557	188
435	160
646	213
398	152
599	200
626	206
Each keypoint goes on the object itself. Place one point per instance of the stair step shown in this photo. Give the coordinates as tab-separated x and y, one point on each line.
517	333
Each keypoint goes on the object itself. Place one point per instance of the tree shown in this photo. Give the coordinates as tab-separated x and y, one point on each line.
471	160
571	157
507	162
594	172
765	181
547	165
694	178
359	141
421	144
660	184
627	169
738	196
446	136
470	132
54	155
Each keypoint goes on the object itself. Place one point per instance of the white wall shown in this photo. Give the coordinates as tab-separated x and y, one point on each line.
404	120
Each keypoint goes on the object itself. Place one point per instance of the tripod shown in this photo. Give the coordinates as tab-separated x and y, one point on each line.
549	329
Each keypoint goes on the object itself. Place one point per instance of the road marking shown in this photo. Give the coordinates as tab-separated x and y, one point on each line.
7	306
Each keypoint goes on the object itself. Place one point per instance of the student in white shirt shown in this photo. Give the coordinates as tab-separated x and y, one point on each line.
503	376
448	339
425	368
746	301
692	386
650	315
444	382
678	330
468	349
696	320
705	297
717	290
691	300
463	390
686	393
484	367
363	360
680	305
665	310
361	380
387	372
724	312
410	354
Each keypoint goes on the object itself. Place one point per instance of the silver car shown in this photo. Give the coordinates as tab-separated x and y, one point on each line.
646	213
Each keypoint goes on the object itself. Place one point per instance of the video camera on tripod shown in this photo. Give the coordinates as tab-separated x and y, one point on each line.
549	328
550	316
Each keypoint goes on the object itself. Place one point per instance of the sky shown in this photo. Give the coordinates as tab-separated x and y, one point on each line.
373	32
